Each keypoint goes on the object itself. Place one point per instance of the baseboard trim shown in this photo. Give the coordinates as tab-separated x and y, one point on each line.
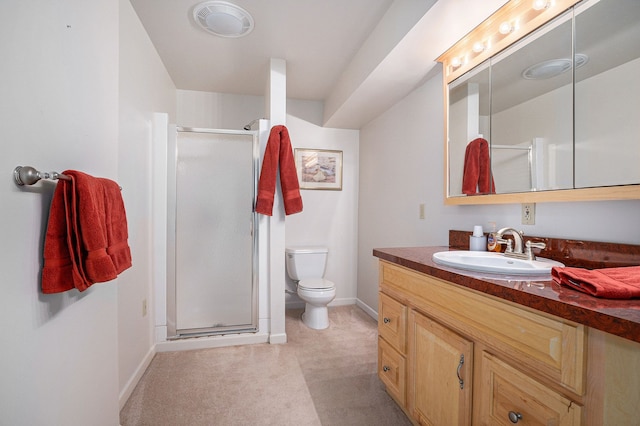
278	338
370	311
127	390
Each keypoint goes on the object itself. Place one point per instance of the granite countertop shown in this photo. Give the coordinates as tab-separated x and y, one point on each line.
618	317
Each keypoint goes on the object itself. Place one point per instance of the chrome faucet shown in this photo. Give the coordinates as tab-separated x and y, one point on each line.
517	238
517	250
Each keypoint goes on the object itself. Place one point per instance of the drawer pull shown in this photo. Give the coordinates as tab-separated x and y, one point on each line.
386	320
514	417
385	368
458	371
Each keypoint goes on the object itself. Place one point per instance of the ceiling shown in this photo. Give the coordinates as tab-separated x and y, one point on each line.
357	56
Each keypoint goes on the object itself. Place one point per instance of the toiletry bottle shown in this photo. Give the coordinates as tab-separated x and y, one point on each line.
477	241
492	239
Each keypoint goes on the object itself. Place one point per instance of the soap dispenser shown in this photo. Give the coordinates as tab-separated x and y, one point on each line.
478	241
492	239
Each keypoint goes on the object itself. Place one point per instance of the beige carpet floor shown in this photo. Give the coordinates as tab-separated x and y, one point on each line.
320	377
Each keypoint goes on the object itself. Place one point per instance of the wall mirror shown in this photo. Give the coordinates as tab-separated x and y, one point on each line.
559	107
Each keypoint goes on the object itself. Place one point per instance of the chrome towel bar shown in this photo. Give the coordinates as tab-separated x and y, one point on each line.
26	175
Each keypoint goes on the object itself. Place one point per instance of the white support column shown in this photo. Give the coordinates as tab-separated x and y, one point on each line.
277	112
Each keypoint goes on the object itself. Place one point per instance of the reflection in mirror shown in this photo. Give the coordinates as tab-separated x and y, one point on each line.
607	94
531	111
469	112
560	107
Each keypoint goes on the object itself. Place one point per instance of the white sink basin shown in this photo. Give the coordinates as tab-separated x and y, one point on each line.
496	263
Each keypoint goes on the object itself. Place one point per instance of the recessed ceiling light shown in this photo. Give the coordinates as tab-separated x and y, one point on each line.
552	68
223	19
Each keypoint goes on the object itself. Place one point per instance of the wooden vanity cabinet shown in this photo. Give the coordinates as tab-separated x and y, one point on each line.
474	359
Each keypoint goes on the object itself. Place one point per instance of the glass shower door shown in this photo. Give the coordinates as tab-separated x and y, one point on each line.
215	246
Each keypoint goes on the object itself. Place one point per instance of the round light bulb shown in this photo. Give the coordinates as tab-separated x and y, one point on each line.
455	62
540	4
505	28
478	47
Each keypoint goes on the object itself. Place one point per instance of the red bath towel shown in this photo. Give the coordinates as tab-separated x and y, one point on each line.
477	176
607	283
278	150
86	239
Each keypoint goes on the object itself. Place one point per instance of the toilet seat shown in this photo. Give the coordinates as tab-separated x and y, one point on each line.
316	284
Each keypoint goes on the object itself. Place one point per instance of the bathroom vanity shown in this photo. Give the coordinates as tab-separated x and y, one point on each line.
460	348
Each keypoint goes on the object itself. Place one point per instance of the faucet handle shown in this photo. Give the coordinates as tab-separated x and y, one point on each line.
531	245
540	245
506	241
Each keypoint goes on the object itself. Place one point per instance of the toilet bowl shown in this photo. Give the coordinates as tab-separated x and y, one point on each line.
317	294
306	265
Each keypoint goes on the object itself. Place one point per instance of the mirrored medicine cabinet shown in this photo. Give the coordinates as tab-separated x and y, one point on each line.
553	88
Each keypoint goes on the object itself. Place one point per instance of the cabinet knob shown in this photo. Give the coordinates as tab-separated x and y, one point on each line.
386	320
514	417
385	368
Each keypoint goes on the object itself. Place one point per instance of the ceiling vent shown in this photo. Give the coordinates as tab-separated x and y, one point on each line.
223	19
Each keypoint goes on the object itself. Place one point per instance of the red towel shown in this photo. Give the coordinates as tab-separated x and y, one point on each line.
86	239
477	169
608	283
278	150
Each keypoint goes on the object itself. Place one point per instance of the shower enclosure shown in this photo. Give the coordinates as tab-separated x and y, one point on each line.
212	243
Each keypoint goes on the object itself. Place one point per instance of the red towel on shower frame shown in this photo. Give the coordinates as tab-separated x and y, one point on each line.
477	176
278	151
86	239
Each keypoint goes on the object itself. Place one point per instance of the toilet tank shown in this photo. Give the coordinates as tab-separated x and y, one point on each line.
306	262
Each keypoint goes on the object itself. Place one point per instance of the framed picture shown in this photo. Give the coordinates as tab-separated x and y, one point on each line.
319	168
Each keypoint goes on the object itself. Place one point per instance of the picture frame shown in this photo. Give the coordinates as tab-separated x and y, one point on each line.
319	168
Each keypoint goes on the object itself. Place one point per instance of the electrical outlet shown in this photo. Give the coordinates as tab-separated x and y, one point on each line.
421	211
528	213
144	308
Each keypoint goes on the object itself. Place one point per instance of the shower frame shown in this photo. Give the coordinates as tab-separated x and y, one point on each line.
171	309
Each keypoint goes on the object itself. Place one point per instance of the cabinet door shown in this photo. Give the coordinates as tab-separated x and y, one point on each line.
440	373
509	396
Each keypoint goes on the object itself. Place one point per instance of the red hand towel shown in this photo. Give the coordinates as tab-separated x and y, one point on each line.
278	150
86	240
477	169
57	273
608	283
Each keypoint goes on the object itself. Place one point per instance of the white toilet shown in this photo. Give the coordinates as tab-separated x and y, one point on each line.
305	265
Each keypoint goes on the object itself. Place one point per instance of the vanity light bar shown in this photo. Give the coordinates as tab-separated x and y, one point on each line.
511	22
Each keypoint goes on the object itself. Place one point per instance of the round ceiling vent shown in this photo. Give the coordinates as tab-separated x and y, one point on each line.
552	68
223	19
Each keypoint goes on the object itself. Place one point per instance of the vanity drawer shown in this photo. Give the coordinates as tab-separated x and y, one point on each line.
392	370
392	322
509	396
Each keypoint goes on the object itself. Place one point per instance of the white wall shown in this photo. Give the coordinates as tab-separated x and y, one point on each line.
59	110
402	165
145	88
329	218
218	110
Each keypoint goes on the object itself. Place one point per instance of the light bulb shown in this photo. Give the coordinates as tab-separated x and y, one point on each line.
455	62
505	28
478	47
540	4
